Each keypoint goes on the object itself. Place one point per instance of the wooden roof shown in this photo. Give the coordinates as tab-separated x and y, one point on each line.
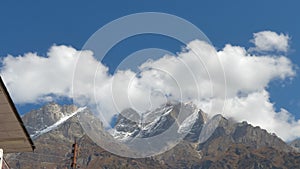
13	134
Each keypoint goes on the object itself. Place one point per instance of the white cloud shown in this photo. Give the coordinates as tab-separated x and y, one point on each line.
266	41
31	77
196	74
257	109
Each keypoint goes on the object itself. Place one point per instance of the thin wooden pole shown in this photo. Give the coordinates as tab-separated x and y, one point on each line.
1	158
75	153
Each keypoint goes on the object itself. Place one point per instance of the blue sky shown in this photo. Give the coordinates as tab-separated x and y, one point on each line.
31	26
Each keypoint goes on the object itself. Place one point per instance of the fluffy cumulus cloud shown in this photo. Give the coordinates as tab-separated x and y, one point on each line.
266	41
31	78
232	81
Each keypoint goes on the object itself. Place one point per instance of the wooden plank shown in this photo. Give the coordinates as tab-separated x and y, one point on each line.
13	134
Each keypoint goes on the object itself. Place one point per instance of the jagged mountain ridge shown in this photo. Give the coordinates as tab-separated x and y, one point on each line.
39	119
211	143
199	129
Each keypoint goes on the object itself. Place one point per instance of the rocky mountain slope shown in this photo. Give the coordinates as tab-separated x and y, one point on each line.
204	142
295	144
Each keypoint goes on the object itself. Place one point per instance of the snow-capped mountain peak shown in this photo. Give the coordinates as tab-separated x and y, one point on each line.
152	123
55	125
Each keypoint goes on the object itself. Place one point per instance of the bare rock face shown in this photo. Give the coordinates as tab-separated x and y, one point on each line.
128	121
227	132
207	143
247	134
46	116
195	131
295	144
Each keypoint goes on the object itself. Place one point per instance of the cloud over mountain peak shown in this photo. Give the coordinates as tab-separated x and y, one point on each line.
232	81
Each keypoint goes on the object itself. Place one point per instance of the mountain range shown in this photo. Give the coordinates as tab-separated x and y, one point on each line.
175	135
